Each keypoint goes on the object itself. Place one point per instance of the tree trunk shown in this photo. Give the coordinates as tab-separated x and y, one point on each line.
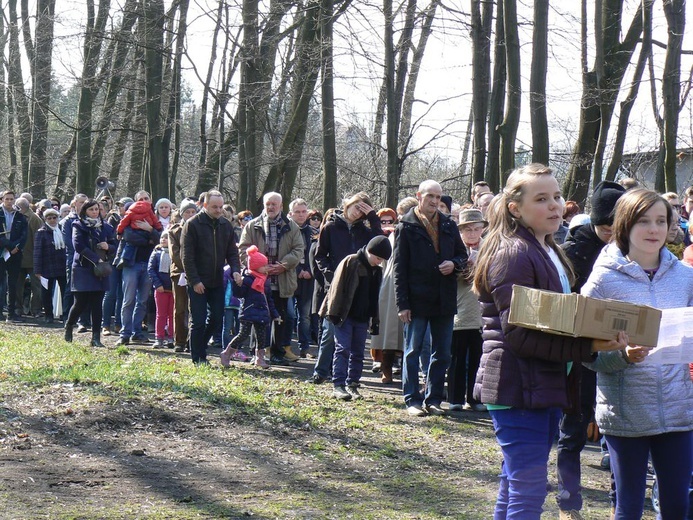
117	69
174	115
629	101
45	10
205	175
508	128
675	12
16	84
93	39
247	117
497	104
122	140
282	174
537	83
329	191
157	167
599	93
482	20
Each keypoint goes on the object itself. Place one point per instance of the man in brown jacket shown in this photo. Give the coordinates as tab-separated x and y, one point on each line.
186	211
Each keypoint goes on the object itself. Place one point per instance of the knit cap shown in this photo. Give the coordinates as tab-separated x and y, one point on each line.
162	201
256	259
604	198
186	205
380	247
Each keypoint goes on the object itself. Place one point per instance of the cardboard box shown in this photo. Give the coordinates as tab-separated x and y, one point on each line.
577	315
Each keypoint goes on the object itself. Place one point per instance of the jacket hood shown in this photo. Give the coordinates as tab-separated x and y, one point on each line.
611	257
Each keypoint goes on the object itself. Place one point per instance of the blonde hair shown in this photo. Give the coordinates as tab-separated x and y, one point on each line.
503	226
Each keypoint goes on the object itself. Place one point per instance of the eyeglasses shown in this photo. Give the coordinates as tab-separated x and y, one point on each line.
676	206
475	229
314	217
387	221
247	218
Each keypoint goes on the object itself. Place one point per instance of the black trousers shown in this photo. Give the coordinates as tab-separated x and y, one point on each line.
87	300
9	270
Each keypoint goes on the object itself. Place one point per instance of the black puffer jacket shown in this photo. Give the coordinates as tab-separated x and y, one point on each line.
338	240
206	246
419	285
582	246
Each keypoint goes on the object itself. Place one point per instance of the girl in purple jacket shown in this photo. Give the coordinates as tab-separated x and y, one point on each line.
524	374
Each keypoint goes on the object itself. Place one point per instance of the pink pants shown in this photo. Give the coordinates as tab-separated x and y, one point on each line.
164	314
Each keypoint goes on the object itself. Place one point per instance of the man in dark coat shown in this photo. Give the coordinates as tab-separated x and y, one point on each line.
428	253
207	244
13	235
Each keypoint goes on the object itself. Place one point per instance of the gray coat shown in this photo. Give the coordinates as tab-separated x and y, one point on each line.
635	400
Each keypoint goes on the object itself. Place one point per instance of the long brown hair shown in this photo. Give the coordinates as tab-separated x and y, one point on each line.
502	229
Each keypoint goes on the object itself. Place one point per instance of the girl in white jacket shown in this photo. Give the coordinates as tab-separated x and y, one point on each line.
644	408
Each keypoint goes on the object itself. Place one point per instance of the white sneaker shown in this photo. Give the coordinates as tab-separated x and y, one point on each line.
416	410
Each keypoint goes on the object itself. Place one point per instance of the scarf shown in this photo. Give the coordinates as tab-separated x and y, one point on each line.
259	282
93	223
58	241
431	227
164	261
272	228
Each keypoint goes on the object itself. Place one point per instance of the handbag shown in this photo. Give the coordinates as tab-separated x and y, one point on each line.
102	269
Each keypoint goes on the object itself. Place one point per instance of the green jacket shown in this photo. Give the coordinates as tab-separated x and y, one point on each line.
290	250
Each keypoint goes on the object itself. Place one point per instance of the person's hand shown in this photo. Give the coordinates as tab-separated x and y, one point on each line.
14	251
144	225
305	275
605	345
446	267
238	278
363	208
103	245
278	320
199	288
275	269
636	353
160	288
405	316
37	275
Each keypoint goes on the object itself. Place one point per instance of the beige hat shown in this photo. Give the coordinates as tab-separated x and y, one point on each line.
471	216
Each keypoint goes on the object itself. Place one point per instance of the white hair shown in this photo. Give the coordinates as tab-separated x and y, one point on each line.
269	195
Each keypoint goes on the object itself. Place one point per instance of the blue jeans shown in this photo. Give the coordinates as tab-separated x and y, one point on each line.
323	364
206	314
113	300
350	342
290	325
136	287
230	327
441	339
672	458
303	316
525	438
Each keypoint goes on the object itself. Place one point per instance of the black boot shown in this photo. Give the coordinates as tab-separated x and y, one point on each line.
68	333
96	338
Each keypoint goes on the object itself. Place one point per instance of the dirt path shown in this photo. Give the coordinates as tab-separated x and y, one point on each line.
84	451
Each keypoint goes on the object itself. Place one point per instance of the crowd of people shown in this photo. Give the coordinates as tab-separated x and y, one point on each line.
429	282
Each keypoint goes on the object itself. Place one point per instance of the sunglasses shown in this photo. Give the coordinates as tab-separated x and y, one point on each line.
247	218
387	221
314	218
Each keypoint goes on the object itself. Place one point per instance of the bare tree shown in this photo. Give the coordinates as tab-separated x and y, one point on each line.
497	103
537	83
511	121
482	20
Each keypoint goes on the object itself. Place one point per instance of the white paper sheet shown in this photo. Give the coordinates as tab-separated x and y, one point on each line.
6	255
44	282
675	341
182	281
